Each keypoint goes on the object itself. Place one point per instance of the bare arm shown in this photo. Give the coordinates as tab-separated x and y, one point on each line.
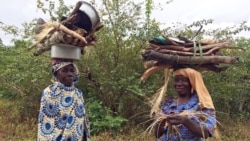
198	130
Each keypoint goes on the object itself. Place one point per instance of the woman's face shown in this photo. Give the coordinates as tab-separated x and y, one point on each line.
66	75
182	85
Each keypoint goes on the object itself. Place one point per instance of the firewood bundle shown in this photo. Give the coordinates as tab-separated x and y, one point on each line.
68	31
167	52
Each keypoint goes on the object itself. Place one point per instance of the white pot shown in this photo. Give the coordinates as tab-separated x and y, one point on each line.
89	15
65	51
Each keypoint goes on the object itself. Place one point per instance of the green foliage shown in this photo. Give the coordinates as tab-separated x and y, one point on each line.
115	61
230	89
188	30
102	119
49	6
9	29
22	78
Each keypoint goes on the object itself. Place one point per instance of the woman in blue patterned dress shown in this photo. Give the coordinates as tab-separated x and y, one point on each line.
192	98
62	114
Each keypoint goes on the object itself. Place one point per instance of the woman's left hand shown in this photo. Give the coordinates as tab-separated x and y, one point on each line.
176	119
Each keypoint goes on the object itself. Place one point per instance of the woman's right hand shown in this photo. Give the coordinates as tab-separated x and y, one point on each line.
176	119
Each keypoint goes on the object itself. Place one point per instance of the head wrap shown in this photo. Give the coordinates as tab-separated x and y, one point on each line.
198	86
58	63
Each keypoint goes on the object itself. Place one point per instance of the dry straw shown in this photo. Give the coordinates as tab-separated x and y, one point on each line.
173	129
158	96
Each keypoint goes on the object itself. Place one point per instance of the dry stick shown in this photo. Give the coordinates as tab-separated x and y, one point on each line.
61	27
158	96
221	45
149	64
183	48
170	41
171	47
207	53
40	49
216	48
152	70
67	38
77	7
176	59
188	45
166	51
55	38
197	32
153	46
32	46
37	43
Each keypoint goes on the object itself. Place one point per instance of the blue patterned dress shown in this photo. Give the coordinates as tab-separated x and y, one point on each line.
184	134
62	114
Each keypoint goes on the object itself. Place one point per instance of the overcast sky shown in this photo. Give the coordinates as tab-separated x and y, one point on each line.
223	12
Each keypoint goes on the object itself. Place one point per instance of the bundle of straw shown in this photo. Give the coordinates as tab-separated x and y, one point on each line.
173	129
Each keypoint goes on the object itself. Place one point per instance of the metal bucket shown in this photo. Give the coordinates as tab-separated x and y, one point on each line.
65	51
89	16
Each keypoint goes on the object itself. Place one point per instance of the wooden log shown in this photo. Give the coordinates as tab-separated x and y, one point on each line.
183	53
191	49
176	59
211	67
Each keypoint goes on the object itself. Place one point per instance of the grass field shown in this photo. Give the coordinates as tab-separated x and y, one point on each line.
14	130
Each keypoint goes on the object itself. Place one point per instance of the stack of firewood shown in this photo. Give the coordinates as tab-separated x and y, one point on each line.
67	31
167	52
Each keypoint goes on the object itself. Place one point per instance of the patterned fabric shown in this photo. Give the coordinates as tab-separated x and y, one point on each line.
62	114
169	106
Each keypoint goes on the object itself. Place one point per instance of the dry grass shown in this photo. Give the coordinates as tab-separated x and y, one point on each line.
11	130
230	132
132	135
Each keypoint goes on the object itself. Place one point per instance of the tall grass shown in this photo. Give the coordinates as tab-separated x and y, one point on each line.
11	129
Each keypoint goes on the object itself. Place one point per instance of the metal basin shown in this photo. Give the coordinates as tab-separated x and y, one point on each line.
89	16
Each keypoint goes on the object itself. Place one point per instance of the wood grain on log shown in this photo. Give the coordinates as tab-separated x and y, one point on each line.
177	59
